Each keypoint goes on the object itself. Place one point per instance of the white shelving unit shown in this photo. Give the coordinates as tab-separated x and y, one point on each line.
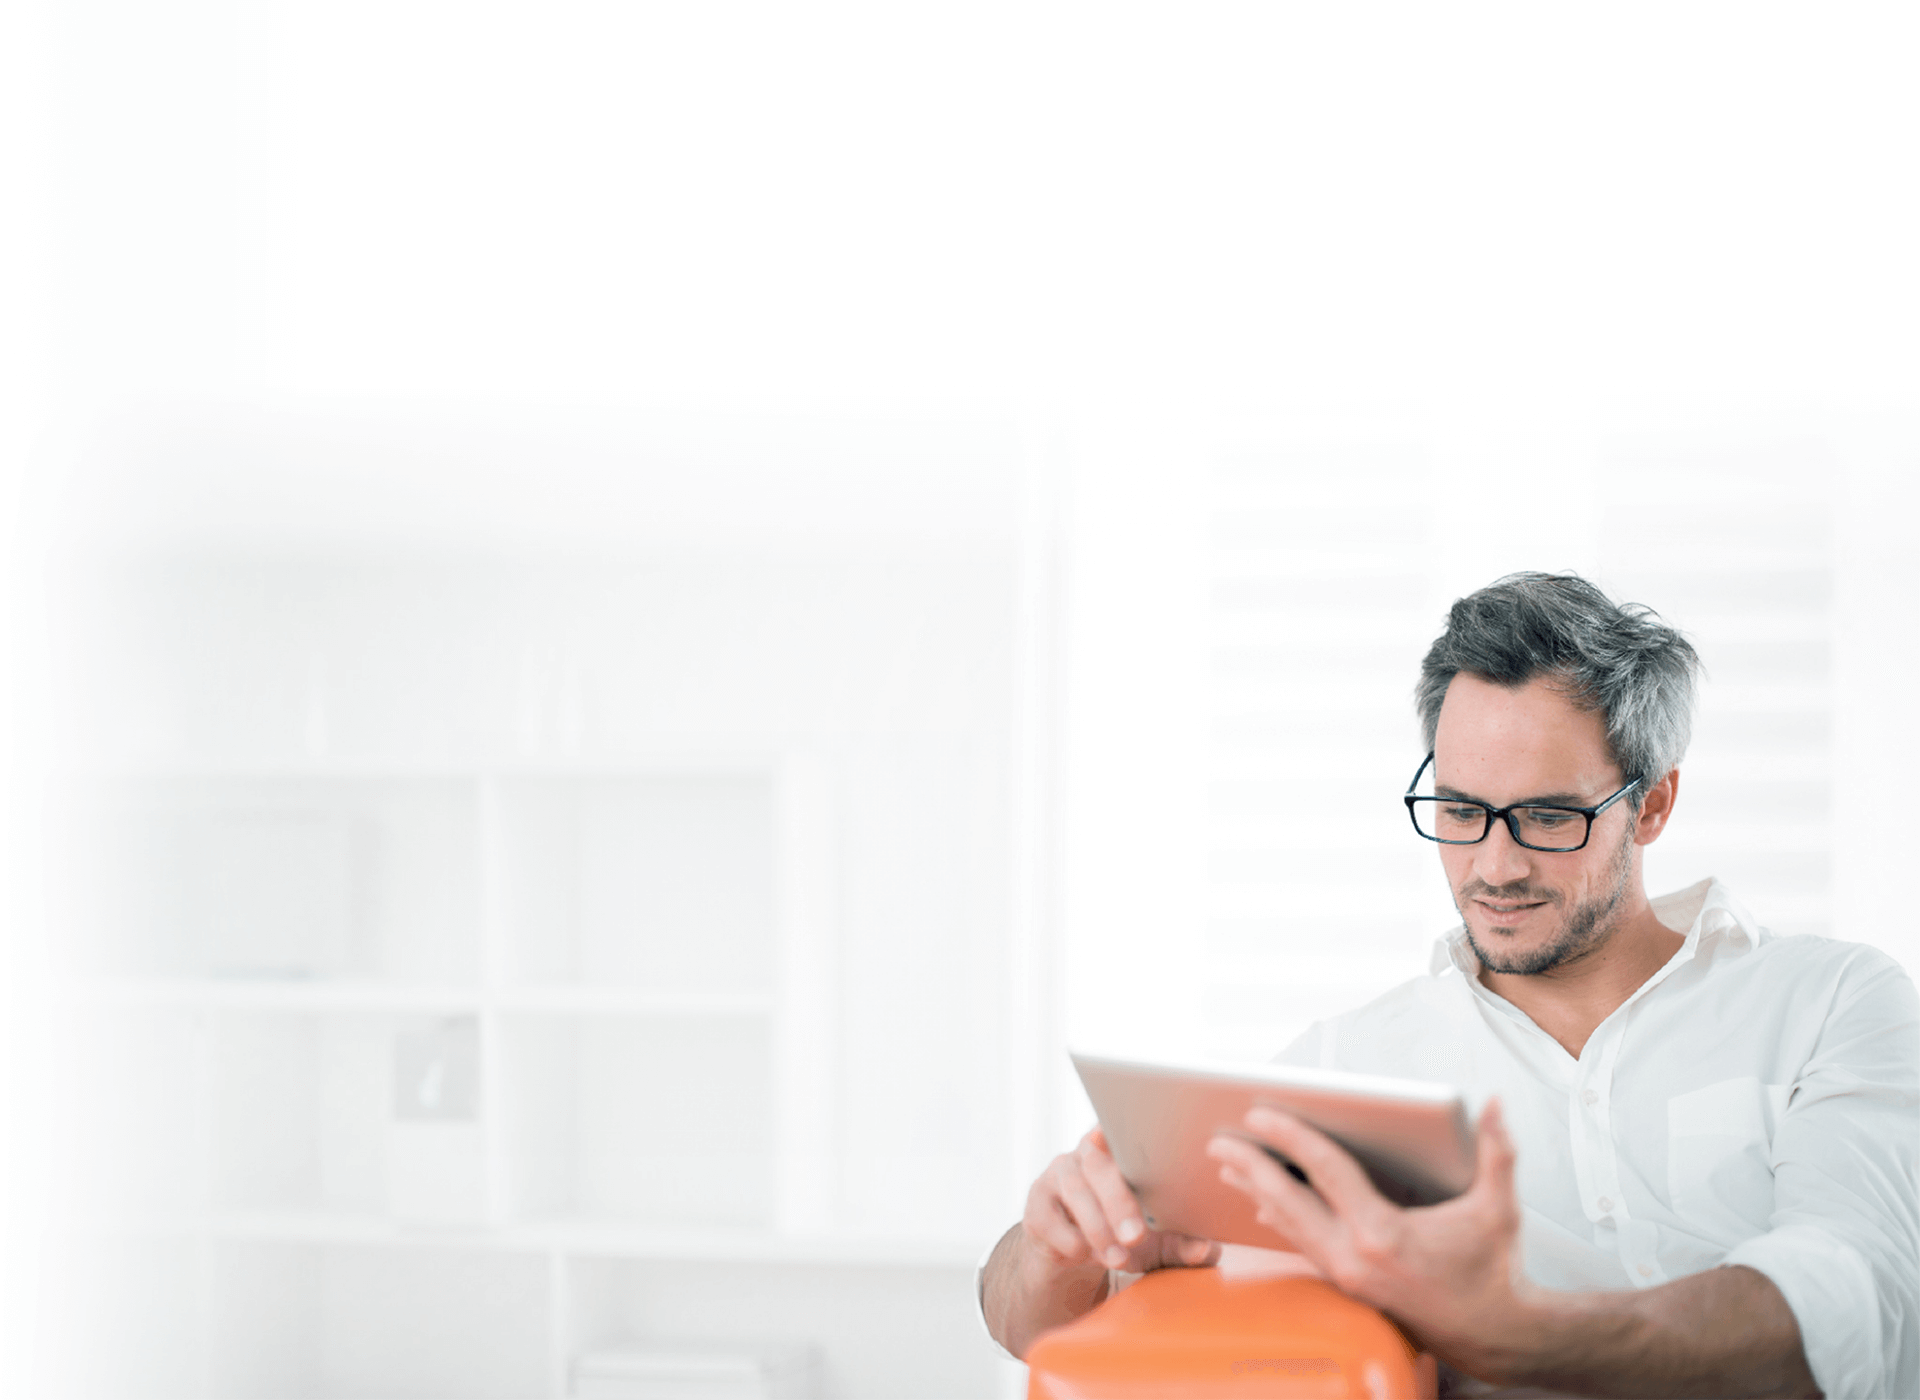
390	1078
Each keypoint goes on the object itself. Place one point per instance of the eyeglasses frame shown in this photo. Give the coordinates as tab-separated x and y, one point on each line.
1506	814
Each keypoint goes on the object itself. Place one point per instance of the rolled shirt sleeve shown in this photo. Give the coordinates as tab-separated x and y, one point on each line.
1844	1243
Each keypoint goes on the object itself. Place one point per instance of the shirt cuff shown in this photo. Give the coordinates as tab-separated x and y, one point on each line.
1829	1286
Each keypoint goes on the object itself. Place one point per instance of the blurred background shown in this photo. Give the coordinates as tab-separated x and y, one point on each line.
621	620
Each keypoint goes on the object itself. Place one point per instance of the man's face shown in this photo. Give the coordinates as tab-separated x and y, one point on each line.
1529	911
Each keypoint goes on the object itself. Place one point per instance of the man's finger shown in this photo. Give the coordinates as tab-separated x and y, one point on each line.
1084	1206
1301	1216
1193	1251
1117	1202
1494	1153
1329	1167
1247	1167
1054	1229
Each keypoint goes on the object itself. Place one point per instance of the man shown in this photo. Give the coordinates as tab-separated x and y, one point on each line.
1696	1169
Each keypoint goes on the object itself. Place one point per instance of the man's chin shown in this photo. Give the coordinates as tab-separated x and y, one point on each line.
1507	952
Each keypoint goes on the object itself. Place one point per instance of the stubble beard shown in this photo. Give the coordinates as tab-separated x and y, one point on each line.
1584	929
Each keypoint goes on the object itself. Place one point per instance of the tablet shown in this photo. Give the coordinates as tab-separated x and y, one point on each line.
1411	1137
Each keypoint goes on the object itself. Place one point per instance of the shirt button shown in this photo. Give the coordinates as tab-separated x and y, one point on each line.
1605	1203
1589	1098
1646	1271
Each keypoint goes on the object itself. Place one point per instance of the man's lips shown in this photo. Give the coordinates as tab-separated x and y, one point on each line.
1508	909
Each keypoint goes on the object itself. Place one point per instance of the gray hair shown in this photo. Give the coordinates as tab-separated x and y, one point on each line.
1618	659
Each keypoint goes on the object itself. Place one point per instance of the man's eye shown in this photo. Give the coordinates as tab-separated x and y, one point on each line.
1547	819
1462	814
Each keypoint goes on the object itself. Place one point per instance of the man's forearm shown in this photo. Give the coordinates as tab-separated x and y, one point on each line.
1023	1294
1724	1332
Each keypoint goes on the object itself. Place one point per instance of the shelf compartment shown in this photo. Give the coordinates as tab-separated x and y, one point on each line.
342	1322
129	1123
664	881
689	1370
556	1235
879	1332
221	994
121	1316
247	994
651	1121
310	1114
625	1001
268	879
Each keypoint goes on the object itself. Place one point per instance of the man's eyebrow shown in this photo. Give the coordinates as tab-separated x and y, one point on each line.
1545	799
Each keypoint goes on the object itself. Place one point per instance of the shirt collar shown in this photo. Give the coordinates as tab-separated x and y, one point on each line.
1706	912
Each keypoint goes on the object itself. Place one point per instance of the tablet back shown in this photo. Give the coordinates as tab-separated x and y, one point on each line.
1410	1136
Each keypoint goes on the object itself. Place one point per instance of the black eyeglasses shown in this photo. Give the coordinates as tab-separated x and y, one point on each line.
1460	821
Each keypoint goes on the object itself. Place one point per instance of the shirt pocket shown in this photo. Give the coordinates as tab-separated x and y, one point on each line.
1720	1157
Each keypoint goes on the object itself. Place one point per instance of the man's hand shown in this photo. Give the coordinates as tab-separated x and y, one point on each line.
1449	1273
1081	1210
1081	1220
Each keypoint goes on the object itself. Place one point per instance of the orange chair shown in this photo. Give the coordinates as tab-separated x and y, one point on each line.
1198	1334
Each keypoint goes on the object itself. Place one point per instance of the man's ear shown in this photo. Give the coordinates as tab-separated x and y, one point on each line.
1657	809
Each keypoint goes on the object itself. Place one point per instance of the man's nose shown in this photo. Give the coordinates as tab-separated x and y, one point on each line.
1500	860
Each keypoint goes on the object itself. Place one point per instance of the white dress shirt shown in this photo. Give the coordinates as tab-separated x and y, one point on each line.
1756	1101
